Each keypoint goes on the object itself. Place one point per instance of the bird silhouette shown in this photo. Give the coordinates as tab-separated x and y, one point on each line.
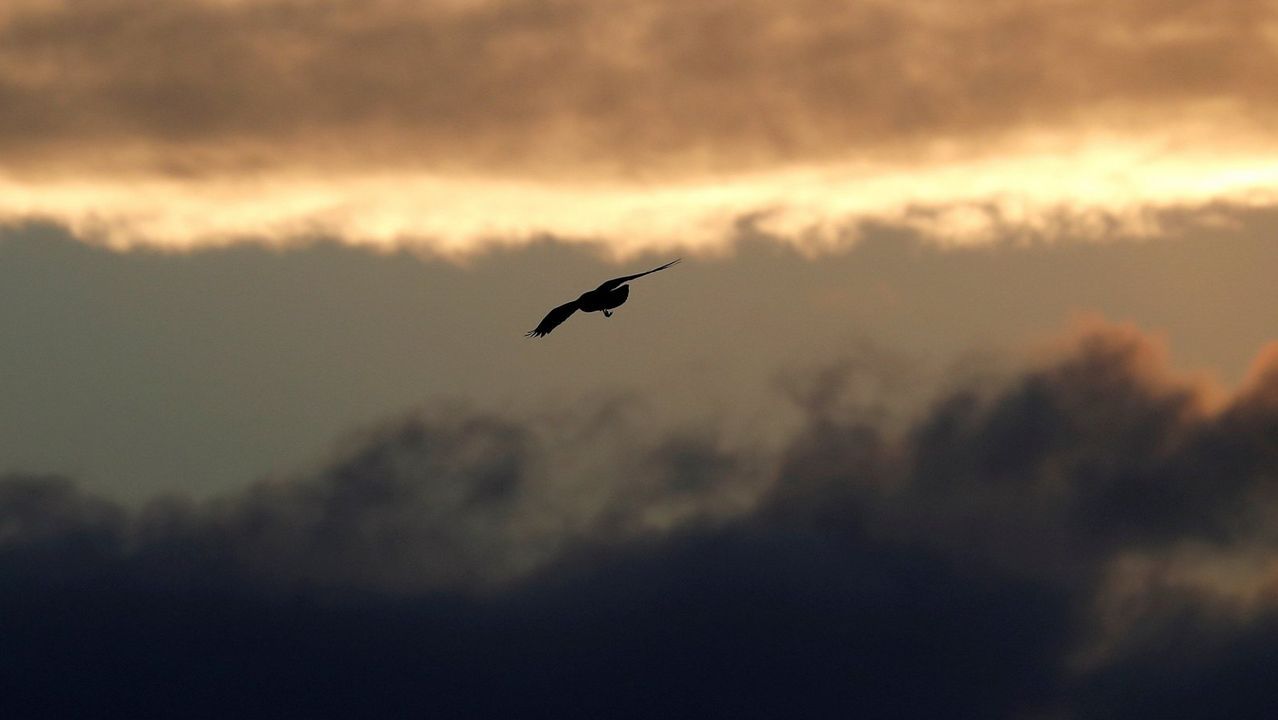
606	297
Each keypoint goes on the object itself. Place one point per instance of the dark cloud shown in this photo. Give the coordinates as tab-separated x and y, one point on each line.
649	87
1188	664
443	564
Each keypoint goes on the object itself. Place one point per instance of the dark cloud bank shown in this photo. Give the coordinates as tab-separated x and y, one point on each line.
457	564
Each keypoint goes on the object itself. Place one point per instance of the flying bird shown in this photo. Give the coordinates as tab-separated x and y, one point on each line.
606	297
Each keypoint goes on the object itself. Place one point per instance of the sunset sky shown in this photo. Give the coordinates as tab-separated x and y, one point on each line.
962	403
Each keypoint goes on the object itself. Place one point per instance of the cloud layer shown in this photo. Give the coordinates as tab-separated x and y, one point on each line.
550	87
637	123
1090	539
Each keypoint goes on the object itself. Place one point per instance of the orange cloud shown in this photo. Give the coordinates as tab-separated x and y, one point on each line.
647	88
643	123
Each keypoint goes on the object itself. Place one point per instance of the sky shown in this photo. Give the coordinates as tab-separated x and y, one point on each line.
963	401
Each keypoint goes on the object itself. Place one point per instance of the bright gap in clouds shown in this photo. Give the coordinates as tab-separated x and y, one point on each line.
1094	187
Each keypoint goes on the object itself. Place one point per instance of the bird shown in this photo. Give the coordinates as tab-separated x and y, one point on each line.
606	297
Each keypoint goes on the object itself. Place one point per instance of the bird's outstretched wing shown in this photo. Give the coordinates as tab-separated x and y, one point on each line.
609	285
553	319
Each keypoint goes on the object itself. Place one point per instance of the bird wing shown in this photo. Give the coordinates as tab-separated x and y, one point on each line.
609	285
553	319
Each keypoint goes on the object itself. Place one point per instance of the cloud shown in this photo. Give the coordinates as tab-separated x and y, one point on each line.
652	87
458	501
640	124
1061	544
